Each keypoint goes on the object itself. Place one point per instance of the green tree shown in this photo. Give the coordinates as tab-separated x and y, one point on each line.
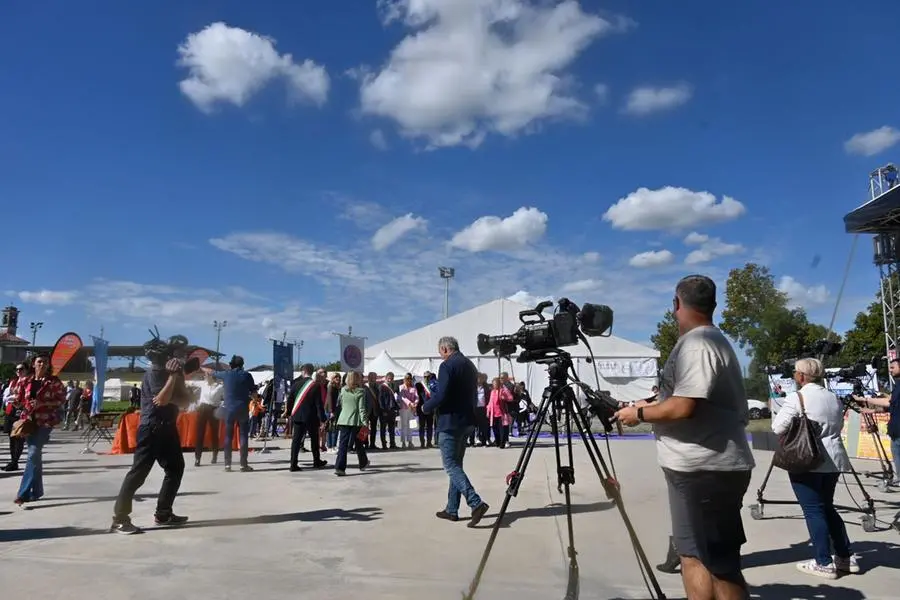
750	296
332	366
866	339
666	336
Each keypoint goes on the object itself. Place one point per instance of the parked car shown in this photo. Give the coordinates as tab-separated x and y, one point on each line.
758	409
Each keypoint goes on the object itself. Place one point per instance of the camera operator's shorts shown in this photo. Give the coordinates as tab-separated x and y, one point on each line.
705	507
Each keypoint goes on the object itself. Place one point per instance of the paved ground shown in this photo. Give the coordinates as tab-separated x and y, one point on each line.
373	534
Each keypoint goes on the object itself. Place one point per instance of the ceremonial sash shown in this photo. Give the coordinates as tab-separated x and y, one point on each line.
302	395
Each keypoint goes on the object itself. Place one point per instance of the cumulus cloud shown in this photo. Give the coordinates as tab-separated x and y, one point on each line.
646	100
468	68
653	258
523	227
710	249
230	65
671	208
872	142
388	234
523	297
591	257
47	297
802	295
582	285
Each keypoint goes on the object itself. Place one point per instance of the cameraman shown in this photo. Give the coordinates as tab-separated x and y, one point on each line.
892	404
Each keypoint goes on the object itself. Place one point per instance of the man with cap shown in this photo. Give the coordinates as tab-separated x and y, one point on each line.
239	388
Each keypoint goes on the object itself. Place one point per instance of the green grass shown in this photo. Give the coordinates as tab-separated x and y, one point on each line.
115	406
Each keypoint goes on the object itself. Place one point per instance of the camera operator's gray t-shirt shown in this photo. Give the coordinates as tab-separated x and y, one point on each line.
703	365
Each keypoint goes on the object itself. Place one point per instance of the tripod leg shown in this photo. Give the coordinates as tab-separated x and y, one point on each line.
513	480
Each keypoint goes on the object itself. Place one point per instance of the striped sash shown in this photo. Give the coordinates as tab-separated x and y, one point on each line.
302	395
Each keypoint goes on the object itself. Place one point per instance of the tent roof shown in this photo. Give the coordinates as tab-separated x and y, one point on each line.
383	363
494	318
879	215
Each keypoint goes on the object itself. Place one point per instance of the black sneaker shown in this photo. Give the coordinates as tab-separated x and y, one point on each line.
295	469
246	469
321	464
478	514
340	472
196	462
10	467
443	514
171	520
124	527
228	468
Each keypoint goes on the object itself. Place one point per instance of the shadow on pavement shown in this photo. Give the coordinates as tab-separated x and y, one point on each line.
551	510
328	514
786	591
872	556
72	500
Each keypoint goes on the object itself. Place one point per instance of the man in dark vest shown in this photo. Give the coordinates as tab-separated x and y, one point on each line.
307	413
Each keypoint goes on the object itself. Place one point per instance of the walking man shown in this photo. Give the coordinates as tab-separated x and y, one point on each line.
307	413
455	399
700	422
238	387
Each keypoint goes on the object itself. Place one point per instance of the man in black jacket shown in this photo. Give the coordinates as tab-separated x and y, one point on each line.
307	414
455	398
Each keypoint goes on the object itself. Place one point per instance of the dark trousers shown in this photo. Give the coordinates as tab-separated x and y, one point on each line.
16	447
482	427
279	408
426	429
388	423
373	430
815	493
156	443
206	417
242	421
501	433
298	431
346	434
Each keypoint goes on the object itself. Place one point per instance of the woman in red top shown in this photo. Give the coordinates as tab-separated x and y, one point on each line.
498	412
40	397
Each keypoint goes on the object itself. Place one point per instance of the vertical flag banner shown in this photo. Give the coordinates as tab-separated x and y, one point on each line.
65	348
352	352
283	363
101	358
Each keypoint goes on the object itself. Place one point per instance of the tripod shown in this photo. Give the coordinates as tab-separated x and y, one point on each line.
558	403
886	474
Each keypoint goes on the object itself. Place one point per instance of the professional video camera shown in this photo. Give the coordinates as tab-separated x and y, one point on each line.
159	351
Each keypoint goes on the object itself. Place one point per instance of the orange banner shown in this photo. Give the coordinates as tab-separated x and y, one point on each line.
66	347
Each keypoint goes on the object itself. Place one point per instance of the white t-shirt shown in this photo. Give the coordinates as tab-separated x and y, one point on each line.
211	394
703	365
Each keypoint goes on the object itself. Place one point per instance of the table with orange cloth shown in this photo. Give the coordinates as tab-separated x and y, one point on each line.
126	434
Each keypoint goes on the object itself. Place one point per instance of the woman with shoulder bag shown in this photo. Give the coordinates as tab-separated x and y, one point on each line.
40	396
815	487
12	411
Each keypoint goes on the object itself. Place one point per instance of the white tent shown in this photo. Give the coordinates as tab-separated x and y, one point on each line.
383	363
627	370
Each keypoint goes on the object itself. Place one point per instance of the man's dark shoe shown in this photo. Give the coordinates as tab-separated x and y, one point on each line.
10	467
171	521
478	514
295	468
672	565
443	514
246	469
321	464
124	527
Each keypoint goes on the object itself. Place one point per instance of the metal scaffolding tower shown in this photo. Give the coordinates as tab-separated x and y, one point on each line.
887	259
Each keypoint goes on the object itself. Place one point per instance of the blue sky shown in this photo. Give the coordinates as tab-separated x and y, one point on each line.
307	166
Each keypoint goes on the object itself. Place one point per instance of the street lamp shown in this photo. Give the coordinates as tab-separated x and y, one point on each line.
299	350
219	325
34	329
447	274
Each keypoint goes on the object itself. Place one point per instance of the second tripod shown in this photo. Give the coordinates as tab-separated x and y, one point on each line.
560	408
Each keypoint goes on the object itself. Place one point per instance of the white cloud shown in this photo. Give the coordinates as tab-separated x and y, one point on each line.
710	248
377	139
268	323
802	295
653	258
591	257
523	297
671	208
47	297
695	239
872	142
230	65
468	68
523	227
646	100
601	90
582	285
388	234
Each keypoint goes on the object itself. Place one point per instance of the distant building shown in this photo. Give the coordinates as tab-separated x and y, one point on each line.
12	347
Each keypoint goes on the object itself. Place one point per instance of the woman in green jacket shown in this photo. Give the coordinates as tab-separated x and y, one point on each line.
354	417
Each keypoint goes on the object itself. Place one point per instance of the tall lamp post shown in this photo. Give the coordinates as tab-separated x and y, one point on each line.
447	274
34	329
219	325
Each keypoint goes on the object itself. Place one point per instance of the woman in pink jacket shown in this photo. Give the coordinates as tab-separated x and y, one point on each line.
498	412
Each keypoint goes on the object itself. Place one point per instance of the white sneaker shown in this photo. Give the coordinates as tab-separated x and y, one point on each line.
847	565
811	567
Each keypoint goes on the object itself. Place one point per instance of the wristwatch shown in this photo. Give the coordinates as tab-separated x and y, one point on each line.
640	414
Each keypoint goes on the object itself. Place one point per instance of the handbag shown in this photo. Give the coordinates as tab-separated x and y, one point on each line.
23	428
799	449
363	434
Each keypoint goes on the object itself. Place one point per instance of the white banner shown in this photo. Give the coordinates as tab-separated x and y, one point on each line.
352	353
645	367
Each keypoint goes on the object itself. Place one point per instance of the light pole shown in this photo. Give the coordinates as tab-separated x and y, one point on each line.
219	325
447	274
34	329
299	347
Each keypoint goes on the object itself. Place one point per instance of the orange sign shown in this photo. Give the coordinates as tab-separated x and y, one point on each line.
66	347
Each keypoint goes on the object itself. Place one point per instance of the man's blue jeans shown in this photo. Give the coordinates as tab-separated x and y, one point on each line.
453	449
242	418
32	486
815	493
895	452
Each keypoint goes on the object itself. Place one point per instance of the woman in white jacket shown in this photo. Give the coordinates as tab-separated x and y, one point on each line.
815	489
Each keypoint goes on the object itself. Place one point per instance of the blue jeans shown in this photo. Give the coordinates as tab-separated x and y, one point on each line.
895	452
453	450
243	422
331	436
347	434
815	493
32	487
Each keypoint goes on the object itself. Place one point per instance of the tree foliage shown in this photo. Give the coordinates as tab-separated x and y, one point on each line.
666	336
865	340
750	297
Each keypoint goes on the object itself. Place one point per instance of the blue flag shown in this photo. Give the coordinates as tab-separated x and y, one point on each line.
283	363
100	361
